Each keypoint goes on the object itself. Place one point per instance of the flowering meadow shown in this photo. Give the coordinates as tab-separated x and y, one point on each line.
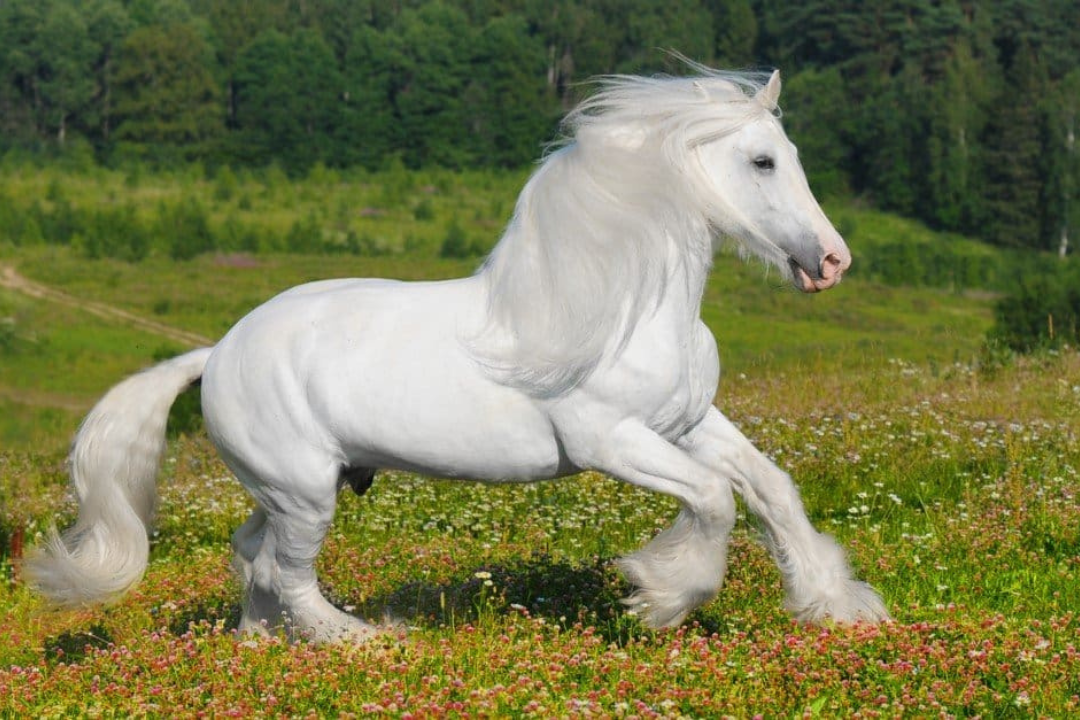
955	488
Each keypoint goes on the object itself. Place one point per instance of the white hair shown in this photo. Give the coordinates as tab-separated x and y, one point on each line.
597	228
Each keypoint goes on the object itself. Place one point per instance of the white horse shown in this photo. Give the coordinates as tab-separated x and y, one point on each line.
578	344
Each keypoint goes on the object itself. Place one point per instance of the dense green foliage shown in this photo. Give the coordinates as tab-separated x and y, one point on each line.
132	215
962	114
1042	311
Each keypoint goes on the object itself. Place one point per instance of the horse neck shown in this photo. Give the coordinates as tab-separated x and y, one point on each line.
690	261
589	255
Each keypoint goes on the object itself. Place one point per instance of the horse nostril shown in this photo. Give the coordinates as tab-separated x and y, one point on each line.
831	266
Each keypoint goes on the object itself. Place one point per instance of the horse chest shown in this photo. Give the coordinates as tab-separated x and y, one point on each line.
665	380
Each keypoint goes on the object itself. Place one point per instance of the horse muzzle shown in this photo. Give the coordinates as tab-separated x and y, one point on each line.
827	273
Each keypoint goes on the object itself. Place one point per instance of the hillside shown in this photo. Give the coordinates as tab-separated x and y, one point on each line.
110	286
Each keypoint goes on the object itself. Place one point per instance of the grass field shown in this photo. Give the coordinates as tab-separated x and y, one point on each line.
952	481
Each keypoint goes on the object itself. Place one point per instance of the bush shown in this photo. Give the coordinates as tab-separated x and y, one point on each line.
424	210
456	244
933	265
1042	311
117	233
185	228
305	235
225	184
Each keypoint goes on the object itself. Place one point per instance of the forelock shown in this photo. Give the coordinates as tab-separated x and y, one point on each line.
709	102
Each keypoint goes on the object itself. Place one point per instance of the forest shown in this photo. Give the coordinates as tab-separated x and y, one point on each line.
959	113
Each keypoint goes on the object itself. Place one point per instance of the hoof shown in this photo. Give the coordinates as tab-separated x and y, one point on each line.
852	601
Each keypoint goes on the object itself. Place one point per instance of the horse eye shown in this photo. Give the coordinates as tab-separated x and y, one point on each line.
764	162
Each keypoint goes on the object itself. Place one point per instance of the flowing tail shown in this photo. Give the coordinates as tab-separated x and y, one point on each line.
114	463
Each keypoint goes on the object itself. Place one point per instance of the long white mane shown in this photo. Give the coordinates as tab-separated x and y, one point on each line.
598	227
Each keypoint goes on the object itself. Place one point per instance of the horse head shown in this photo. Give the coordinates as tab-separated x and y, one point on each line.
759	195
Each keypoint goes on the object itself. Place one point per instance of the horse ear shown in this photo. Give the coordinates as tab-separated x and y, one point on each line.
770	94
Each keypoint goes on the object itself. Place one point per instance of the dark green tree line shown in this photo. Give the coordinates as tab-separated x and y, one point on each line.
959	112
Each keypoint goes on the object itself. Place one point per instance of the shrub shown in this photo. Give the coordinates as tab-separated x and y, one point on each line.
117	233
59	224
185	228
1041	311
456	244
424	210
933	265
305	235
225	184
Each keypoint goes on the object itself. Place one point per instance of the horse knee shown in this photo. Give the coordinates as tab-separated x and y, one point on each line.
714	508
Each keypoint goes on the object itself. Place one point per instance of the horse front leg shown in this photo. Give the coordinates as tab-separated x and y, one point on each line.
817	577
683	567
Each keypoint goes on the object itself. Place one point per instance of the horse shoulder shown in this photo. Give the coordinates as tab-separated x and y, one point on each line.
664	380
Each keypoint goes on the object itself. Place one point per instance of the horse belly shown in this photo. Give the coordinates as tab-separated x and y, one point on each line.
377	375
437	414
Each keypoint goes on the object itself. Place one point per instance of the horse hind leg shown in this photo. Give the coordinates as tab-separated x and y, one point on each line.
258	608
276	550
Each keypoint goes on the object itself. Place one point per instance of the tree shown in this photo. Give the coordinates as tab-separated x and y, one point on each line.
369	130
1063	162
66	55
648	27
890	127
235	24
818	119
736	31
436	48
578	40
1014	157
46	63
166	97
513	111
108	24
938	27
288	100
957	112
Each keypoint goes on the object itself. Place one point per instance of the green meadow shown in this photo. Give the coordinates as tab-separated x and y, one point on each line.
948	470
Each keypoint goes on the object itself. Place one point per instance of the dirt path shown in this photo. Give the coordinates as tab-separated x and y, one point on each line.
38	398
12	280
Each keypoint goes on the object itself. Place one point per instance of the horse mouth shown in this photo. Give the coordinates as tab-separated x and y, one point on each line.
800	277
810	281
